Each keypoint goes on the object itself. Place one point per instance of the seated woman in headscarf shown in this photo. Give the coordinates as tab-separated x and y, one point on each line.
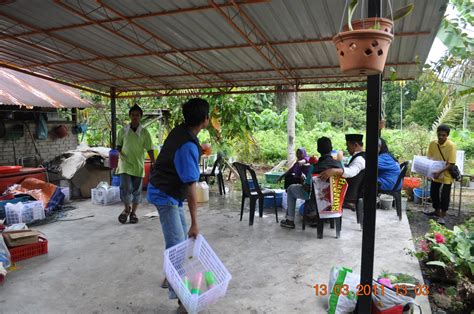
297	173
388	169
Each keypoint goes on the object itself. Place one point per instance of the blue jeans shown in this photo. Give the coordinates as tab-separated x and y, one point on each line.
130	189
173	225
294	192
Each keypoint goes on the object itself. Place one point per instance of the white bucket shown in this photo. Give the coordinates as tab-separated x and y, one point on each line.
202	190
386	201
404	203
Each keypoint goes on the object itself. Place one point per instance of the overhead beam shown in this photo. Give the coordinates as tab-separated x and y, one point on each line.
173	48
343	81
256	33
250	71
67	42
197	93
207	49
126	38
140	16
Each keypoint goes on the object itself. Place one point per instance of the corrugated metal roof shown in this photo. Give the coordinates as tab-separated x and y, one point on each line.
172	45
25	90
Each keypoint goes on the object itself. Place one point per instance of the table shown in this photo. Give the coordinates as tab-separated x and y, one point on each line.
460	194
14	178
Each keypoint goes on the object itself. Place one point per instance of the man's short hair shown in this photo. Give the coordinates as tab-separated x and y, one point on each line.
324	145
195	111
355	139
135	108
443	128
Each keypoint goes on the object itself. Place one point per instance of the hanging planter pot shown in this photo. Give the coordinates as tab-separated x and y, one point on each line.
364	50
362	45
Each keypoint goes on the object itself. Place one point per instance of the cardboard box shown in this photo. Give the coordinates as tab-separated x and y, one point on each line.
20	237
88	177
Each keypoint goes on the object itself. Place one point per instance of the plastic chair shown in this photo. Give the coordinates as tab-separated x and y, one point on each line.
397	193
311	204
217	172
356	192
253	194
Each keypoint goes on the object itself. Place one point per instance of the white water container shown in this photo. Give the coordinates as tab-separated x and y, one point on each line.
202	191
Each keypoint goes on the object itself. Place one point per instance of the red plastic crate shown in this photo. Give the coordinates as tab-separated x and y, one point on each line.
20	253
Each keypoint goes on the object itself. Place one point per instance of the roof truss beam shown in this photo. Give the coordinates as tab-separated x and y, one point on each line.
54	36
139	16
250	33
187	58
254	71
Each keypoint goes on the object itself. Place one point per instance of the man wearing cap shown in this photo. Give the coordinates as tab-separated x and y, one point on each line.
301	191
132	141
354	171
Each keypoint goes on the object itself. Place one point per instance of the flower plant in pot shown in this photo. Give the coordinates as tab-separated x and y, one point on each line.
362	47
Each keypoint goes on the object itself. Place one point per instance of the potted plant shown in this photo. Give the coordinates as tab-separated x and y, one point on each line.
362	47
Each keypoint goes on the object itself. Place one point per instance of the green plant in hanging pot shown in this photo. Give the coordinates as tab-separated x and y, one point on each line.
362	47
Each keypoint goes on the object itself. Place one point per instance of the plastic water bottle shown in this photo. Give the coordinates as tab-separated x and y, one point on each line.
113	158
210	279
196	286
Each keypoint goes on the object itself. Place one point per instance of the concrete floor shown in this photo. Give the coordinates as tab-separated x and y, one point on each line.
97	265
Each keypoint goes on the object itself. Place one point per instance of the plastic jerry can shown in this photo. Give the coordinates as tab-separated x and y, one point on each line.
202	192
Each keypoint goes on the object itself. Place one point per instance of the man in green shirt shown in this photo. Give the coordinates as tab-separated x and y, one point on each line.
132	142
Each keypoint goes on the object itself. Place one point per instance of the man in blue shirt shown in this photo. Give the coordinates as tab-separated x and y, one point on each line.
175	174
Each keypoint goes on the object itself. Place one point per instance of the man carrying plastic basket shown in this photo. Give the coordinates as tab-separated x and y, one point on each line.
175	174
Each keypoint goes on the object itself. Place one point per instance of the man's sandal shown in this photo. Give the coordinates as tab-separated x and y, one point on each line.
122	218
133	218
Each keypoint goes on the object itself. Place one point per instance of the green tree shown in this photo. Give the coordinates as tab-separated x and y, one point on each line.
343	109
428	104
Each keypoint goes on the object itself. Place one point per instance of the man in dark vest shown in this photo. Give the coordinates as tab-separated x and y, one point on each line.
175	174
354	171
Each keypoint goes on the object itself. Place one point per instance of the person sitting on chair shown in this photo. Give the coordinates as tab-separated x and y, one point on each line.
297	173
388	168
301	191
354	171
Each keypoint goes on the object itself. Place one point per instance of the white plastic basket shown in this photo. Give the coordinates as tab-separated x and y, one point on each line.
187	258
24	212
97	196
108	196
112	195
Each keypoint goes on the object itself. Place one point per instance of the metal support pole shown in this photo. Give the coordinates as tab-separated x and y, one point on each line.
401	107
374	99
113	118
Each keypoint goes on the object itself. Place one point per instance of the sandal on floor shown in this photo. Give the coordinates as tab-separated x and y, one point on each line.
123	217
133	218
